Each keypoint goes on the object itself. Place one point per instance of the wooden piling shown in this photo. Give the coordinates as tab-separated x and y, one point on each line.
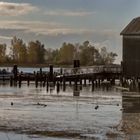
92	85
70	82
47	86
57	87
28	80
11	81
64	84
85	80
44	80
51	73
19	80
15	72
36	80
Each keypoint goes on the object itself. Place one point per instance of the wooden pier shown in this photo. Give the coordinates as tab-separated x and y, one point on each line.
76	76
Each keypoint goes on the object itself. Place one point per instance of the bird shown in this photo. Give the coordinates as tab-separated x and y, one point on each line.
96	107
12	103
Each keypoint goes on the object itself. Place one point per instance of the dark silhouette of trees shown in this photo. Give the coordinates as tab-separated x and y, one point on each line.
3	56
35	53
88	54
18	51
66	54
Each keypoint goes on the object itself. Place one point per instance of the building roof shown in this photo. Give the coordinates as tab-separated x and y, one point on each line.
133	28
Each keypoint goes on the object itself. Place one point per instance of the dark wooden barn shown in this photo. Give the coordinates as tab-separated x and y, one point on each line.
131	49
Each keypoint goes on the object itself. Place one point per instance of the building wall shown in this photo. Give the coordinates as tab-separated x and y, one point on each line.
131	56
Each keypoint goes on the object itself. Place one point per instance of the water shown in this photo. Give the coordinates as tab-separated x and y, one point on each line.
41	115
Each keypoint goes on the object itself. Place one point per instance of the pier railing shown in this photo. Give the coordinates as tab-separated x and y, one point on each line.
92	70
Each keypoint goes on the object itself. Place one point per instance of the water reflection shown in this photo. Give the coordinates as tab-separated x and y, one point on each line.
76	90
131	104
131	116
73	110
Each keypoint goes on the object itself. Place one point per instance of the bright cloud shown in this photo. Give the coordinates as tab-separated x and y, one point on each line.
53	29
68	13
15	9
43	28
5	37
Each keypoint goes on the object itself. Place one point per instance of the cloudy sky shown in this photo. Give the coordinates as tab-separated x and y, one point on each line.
56	21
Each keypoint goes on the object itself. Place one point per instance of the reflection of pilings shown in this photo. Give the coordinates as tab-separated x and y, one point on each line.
76	91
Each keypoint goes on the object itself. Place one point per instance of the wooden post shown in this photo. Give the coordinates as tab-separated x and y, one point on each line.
99	83
58	87
11	81
44	82
138	85
89	80
28	80
40	71
15	71
64	84
51	73
92	85
70	82
36	80
96	83
81	82
112	81
47	84
19	79
85	80
40	77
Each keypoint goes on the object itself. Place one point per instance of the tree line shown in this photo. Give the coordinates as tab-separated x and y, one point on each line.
35	53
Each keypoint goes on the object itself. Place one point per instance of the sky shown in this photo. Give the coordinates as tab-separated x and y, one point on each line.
56	21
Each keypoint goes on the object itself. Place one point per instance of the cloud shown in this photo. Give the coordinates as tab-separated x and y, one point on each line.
55	29
68	13
42	28
5	37
15	9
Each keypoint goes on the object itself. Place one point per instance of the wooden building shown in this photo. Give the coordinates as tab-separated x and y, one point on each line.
131	49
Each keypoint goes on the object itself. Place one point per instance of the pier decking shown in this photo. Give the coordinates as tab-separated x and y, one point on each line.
72	75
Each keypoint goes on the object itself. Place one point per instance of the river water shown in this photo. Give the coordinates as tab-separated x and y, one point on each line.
30	113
